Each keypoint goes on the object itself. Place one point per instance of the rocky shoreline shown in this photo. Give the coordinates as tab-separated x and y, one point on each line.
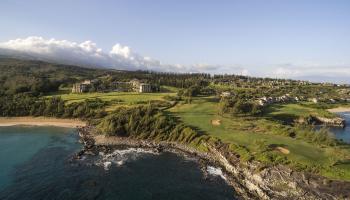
317	120
249	180
337	121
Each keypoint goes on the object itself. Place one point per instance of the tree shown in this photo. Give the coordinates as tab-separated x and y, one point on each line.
224	106
242	107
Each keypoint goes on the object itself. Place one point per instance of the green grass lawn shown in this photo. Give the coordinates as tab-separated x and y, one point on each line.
169	89
245	131
127	97
115	99
290	112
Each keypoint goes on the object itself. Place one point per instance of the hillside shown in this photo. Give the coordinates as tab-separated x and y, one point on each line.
17	75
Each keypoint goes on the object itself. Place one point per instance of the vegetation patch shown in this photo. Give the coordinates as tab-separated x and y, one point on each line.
290	113
258	138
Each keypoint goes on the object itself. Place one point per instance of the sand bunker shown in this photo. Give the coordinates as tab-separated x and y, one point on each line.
215	122
282	150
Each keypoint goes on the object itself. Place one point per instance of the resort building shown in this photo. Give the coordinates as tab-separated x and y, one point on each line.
138	86
144	88
80	87
133	85
225	94
314	100
83	86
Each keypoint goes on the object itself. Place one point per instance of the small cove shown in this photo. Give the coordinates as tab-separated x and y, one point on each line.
343	133
36	164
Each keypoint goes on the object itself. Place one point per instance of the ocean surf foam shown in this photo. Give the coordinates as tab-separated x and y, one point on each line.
120	157
215	171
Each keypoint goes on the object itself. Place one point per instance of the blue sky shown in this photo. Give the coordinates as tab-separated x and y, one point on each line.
272	37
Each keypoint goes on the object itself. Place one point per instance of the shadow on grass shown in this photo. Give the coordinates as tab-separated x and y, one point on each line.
212	99
284	118
272	146
272	108
343	162
178	119
166	90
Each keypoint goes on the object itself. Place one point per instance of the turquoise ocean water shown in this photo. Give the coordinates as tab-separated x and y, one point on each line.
343	133
35	163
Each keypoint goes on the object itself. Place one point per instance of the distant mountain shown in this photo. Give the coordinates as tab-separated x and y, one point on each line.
22	75
12	68
7	53
89	63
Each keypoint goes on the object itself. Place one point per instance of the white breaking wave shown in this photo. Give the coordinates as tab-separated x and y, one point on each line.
106	165
119	157
215	171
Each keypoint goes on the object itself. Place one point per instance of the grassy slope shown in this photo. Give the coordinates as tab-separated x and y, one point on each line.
126	98
10	67
289	112
245	131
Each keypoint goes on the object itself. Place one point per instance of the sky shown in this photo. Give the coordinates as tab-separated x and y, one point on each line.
289	39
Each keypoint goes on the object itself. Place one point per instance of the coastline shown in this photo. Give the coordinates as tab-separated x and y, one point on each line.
41	121
339	109
248	180
96	143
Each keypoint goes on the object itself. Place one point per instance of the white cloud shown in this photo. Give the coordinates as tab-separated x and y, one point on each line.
123	57
285	72
87	53
293	70
120	50
339	73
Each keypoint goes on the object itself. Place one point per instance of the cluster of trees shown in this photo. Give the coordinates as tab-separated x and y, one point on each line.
178	80
187	93
183	80
32	85
29	105
147	122
235	105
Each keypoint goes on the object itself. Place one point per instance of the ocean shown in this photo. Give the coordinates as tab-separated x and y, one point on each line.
35	163
343	133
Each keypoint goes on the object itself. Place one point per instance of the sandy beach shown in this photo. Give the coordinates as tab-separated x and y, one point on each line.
339	109
40	121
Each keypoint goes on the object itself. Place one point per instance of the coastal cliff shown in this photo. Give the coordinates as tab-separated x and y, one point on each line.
249	179
278	182
335	121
